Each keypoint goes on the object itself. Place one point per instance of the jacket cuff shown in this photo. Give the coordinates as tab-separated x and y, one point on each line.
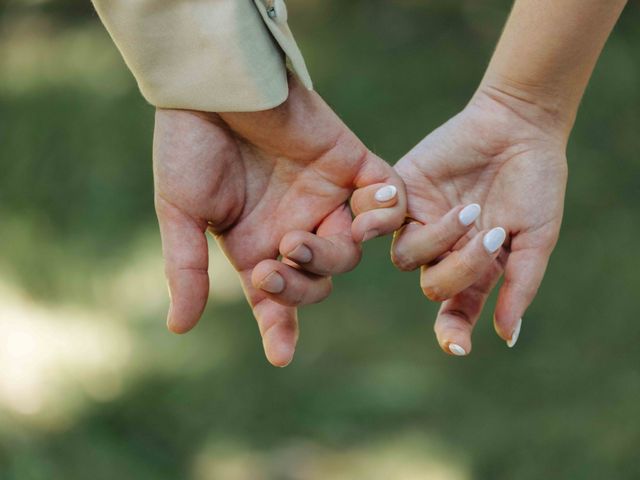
214	55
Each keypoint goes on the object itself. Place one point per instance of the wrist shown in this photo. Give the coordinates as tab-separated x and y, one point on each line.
541	106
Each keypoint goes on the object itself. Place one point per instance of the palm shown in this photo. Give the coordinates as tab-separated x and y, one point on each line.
516	172
511	181
283	193
251	179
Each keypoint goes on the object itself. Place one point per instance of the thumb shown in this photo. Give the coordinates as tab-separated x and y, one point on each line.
186	257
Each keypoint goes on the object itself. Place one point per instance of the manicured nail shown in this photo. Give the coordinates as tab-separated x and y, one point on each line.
494	239
386	193
457	350
469	214
301	254
272	283
370	234
515	334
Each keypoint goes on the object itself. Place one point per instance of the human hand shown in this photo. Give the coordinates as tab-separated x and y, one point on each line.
507	156
267	184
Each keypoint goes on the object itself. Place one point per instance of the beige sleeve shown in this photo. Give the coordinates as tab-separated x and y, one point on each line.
209	55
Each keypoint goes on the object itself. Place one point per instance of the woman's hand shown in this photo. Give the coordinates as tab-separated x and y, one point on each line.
506	156
506	152
268	185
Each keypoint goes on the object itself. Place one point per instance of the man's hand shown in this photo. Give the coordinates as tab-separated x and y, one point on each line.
508	157
267	185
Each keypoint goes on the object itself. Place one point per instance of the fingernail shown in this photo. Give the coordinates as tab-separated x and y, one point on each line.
494	239
469	214
514	336
273	283
301	254
386	193
370	234
457	350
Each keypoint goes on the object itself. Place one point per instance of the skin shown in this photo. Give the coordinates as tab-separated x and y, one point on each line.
272	188
516	170
507	152
264	184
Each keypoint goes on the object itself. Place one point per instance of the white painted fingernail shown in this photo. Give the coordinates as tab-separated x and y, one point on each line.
515	334
494	239
469	214
457	350
386	193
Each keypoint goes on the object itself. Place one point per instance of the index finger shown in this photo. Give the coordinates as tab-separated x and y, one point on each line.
379	202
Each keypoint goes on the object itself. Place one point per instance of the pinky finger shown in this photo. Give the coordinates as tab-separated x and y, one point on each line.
379	208
523	274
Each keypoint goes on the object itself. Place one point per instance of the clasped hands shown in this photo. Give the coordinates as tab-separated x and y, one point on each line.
291	193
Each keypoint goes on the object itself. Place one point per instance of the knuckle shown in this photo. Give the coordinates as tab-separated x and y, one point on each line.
349	263
463	317
467	266
297	299
441	240
319	268
314	294
292	296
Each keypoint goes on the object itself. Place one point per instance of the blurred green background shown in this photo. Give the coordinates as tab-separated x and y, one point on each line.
92	386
